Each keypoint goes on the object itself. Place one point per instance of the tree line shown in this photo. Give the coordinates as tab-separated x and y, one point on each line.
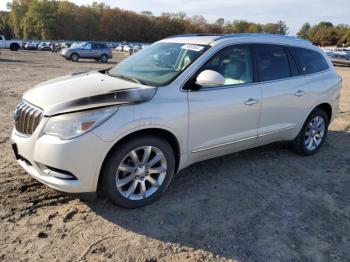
326	34
63	20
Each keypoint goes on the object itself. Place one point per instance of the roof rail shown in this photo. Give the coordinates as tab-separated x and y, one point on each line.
194	34
257	35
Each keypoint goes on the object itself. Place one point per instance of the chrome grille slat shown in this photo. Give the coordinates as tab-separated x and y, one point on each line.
22	117
27	118
36	118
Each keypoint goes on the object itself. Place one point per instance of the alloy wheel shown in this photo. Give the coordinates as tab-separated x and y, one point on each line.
141	173
314	133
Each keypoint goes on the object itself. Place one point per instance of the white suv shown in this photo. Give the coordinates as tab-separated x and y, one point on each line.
125	131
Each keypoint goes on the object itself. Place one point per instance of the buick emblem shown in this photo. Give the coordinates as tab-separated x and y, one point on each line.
16	114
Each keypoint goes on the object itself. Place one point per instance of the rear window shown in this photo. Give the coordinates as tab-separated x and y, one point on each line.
309	61
272	62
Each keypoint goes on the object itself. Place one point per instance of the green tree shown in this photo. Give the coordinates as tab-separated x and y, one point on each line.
40	20
5	25
323	34
304	31
340	34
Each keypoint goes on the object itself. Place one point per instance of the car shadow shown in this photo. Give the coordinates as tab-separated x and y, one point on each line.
263	204
11	60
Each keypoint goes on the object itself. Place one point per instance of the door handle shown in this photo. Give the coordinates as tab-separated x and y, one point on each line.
251	101
299	93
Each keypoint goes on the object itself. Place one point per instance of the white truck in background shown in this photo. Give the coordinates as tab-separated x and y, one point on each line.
13	45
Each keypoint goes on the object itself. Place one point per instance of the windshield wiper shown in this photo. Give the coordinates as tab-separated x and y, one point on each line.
129	78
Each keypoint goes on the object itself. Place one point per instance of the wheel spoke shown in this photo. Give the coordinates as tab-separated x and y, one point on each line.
143	189
155	159
152	181
157	170
308	131
320	128
134	158
126	168
315	121
320	122
124	181
146	154
131	189
309	144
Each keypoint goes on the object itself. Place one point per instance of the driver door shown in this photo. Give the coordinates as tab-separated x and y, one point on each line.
224	119
85	51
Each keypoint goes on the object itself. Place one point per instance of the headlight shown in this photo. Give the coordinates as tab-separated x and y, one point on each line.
71	125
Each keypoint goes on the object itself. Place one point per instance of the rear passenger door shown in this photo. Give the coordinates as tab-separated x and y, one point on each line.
284	100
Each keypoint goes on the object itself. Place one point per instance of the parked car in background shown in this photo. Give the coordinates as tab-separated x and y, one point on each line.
88	50
13	45
119	47
127	130
127	48
44	46
31	46
339	59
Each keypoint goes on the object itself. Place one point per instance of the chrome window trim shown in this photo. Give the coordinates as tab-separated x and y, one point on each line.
244	84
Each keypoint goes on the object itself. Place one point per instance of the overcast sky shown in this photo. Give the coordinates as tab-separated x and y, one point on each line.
294	12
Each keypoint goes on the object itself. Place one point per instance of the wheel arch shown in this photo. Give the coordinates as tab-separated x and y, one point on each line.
327	108
152	131
73	53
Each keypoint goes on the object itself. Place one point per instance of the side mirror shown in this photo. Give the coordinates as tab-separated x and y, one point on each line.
210	78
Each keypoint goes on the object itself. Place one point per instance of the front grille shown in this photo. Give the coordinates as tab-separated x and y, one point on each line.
27	118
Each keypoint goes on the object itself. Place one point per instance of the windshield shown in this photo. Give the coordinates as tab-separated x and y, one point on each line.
78	45
159	64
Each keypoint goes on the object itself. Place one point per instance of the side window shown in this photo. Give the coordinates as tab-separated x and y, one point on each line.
234	63
272	62
87	46
309	61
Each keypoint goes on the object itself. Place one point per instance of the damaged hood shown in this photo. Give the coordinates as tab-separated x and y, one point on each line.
85	90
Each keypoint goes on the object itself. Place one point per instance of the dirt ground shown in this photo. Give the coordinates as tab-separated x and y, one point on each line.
264	204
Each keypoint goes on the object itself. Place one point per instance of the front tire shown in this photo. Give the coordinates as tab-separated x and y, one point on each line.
138	171
313	133
14	47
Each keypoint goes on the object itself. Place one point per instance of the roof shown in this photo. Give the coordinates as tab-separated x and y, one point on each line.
206	39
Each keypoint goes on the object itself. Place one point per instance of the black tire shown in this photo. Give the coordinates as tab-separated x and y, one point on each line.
14	47
108	184
104	58
74	57
299	142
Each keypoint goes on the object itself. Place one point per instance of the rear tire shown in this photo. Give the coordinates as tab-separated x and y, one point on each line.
104	58
313	133
74	57
138	171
